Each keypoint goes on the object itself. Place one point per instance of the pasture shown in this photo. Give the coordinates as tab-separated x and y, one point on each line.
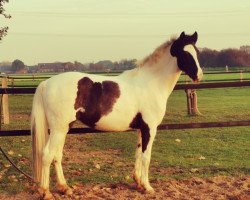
107	159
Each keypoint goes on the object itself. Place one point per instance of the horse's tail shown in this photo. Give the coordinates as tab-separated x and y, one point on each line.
39	131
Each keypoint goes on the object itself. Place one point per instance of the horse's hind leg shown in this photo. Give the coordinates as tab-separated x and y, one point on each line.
61	182
48	156
55	141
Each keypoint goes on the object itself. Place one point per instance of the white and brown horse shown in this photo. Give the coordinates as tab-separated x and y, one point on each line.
136	99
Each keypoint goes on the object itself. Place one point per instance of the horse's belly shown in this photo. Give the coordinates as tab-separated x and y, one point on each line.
114	123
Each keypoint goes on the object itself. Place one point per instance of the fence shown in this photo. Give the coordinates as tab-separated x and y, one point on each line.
38	77
185	87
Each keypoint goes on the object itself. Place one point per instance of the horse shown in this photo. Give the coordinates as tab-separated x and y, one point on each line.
135	99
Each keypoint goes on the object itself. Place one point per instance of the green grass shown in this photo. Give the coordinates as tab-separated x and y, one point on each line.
215	105
219	77
226	150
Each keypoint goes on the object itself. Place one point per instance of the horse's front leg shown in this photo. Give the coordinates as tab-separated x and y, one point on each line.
148	135
138	162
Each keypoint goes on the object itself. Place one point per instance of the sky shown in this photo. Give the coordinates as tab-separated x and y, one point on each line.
42	31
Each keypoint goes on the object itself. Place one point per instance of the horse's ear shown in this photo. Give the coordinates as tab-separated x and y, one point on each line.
182	35
194	37
178	44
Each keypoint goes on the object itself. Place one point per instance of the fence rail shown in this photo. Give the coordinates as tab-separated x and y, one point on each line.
34	76
179	82
161	127
177	87
4	133
11	78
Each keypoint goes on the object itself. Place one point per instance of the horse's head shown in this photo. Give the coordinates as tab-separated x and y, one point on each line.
185	51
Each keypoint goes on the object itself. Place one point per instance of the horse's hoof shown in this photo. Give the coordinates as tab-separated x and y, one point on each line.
48	196
64	189
69	192
45	194
140	187
148	189
137	179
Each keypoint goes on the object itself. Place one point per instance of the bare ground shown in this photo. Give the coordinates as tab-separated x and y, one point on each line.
216	188
213	188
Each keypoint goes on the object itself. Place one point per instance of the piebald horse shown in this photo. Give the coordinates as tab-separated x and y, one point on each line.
136	99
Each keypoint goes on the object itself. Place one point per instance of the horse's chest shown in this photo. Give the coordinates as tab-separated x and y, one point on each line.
121	116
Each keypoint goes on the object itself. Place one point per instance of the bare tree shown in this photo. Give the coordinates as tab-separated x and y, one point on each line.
3	30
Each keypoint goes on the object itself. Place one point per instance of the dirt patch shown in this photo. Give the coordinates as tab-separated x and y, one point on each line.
24	117
219	188
73	154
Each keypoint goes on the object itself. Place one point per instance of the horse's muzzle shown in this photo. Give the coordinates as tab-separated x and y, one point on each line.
198	78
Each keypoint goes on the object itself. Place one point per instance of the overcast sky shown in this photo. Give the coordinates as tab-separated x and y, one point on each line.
93	30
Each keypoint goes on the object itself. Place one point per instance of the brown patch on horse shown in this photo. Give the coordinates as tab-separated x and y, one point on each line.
156	55
139	123
71	124
95	99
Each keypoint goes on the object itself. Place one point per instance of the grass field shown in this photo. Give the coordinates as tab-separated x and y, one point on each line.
200	152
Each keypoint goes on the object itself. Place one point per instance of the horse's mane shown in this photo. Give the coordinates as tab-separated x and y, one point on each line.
153	57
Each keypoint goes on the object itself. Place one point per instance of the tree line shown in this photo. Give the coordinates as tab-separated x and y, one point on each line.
208	59
227	57
18	66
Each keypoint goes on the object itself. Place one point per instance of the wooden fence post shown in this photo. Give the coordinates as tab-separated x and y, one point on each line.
12	82
5	103
241	76
194	104
189	103
188	95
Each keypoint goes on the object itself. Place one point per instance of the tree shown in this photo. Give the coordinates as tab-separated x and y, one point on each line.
17	65
245	48
225	57
79	66
3	30
208	58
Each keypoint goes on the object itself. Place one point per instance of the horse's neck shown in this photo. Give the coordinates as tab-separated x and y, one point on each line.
161	75
164	74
